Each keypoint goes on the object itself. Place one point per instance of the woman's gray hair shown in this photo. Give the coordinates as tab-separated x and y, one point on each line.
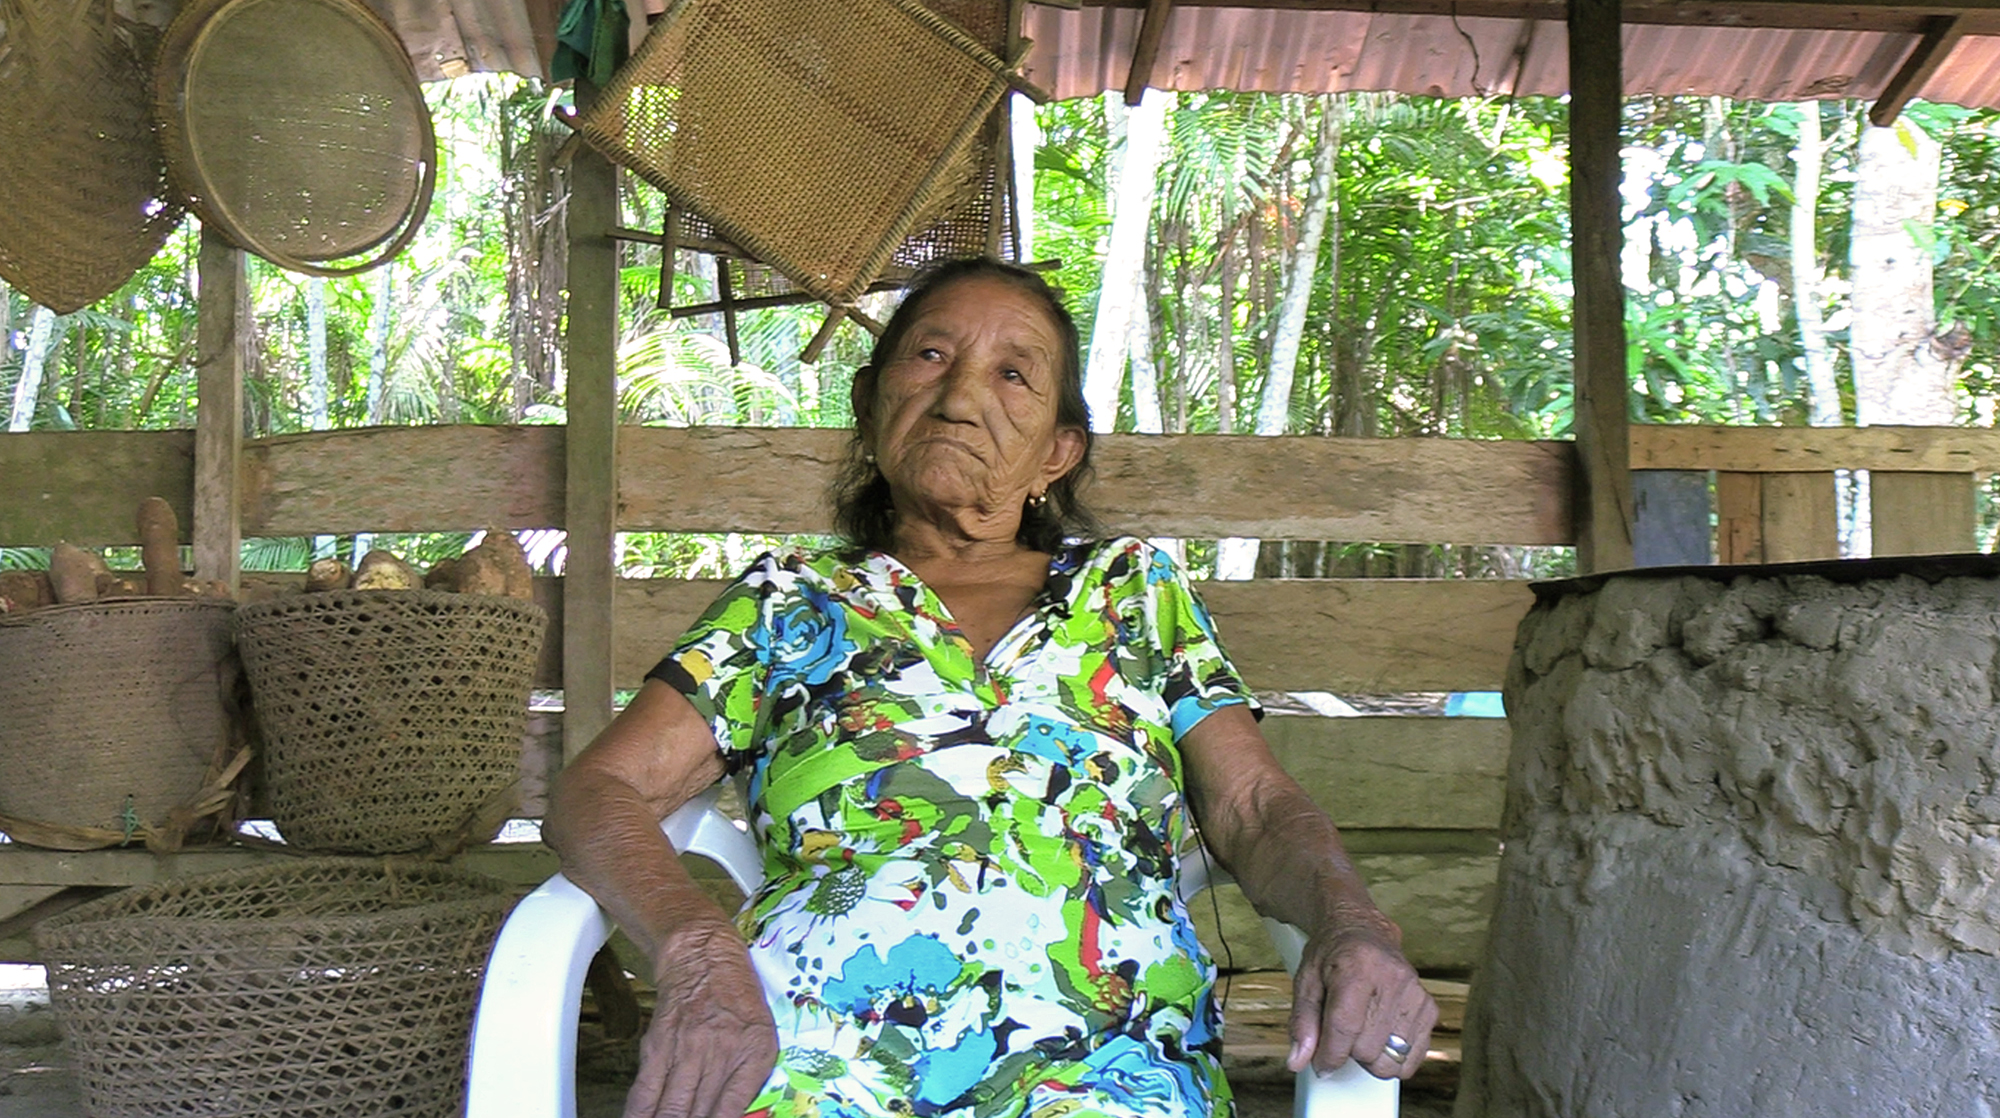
863	511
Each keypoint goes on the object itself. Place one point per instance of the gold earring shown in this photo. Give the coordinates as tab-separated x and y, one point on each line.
868	456
1038	501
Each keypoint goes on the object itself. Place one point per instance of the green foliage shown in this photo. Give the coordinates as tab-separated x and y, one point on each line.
1440	305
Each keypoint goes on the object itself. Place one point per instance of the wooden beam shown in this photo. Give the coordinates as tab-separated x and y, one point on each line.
1402	780
1982	17
1147	52
712	479
1921	513
455	477
222	339
82	486
590	494
1361	636
1924	59
1780	450
1603	479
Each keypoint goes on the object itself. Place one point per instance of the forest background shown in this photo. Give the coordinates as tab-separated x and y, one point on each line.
1352	264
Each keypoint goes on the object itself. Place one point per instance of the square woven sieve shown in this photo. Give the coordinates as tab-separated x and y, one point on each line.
816	137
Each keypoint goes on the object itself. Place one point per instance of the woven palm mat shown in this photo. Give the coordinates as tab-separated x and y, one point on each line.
817	137
83	198
316	988
113	713
390	717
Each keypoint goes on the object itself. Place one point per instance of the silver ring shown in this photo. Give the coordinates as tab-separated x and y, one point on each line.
1396	1048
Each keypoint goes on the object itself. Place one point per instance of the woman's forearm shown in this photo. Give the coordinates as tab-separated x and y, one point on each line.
1287	857
1282	849
612	847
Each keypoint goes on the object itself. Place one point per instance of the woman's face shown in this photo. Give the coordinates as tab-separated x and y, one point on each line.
964	415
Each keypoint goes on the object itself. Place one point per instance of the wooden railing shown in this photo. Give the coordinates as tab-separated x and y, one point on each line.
1419	798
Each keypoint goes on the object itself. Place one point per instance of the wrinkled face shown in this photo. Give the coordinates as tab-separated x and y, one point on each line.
964	415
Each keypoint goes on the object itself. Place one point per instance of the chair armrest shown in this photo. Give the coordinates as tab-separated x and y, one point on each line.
1350	1092
523	1061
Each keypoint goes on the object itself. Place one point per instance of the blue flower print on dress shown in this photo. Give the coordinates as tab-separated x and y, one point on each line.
869	983
809	639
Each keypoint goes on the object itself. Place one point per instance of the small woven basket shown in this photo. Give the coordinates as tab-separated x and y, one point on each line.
316	988
113	713
391	718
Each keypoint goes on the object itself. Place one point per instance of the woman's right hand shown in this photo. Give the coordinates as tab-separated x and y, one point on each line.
712	1043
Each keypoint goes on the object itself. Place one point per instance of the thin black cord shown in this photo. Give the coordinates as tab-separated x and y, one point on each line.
1215	906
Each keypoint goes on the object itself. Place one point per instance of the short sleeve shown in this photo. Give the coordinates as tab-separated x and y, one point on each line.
1200	680
722	665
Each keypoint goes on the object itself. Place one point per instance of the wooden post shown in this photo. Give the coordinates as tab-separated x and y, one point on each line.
1913	513
590	501
222	309
1596	96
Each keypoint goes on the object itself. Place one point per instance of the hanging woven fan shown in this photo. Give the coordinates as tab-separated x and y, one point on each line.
83	193
800	132
296	128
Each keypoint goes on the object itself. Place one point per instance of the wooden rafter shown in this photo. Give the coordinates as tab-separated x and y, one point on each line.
1924	60
1148	50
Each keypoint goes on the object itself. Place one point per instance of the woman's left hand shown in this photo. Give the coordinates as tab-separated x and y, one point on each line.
1354	990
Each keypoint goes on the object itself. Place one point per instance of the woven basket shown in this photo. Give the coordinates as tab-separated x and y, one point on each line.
297	128
391	718
817	137
113	712
83	192
316	988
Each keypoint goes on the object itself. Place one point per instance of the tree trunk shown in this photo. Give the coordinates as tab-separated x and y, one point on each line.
1025	142
1235	558
1124	254
1276	404
1225	350
28	389
1806	158
378	344
316	395
1902	369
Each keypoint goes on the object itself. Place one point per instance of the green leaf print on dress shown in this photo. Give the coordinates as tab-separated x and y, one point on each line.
969	904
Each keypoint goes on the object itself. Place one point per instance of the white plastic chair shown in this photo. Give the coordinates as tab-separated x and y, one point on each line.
524	1037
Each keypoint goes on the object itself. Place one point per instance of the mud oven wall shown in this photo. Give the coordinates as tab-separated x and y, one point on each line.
1752	861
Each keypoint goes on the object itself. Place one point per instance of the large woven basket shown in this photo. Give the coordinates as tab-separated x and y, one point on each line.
316	988
113	714
296	127
391	718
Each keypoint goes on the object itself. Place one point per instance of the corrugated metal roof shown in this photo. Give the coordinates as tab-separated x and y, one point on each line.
1083	52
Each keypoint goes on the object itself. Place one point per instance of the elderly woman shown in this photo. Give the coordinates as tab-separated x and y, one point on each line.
974	745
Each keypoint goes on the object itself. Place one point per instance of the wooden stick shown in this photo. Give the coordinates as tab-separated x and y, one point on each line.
834	317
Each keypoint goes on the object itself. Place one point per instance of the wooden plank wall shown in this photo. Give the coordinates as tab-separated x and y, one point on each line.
1420	796
1775	487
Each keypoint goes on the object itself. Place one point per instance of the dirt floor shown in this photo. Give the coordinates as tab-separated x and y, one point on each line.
35	1081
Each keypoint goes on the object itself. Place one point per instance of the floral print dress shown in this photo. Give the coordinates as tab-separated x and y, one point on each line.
969	906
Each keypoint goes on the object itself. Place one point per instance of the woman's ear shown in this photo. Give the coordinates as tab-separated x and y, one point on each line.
1064	454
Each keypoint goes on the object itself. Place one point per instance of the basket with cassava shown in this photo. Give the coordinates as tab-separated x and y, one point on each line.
392	719
115	723
313	988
